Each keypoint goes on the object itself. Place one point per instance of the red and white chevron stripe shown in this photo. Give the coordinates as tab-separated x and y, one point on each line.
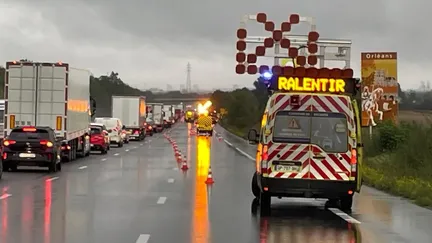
334	166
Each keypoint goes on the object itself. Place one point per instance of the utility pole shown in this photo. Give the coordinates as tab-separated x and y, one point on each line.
188	78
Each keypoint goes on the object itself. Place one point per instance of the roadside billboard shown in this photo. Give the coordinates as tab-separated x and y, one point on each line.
379	87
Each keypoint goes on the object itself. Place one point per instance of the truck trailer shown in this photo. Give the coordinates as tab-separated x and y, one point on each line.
157	116
131	110
53	95
168	116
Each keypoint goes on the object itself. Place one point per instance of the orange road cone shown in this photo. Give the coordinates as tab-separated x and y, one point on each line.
209	177
184	165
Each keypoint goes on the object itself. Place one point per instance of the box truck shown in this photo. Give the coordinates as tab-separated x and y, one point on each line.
168	116
131	110
157	115
51	95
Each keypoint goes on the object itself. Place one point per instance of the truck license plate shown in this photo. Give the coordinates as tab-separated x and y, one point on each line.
27	155
287	168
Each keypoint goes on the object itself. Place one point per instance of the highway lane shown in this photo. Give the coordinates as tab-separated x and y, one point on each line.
96	199
139	194
384	218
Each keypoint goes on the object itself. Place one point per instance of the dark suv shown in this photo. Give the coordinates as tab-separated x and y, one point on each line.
31	146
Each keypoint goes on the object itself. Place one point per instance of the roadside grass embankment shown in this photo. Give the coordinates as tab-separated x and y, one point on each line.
398	158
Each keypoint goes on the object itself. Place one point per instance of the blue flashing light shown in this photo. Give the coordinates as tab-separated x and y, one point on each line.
267	75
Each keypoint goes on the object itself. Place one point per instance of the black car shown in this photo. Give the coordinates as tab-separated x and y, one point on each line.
31	146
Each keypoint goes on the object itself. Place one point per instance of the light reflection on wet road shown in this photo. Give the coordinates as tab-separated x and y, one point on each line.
141	195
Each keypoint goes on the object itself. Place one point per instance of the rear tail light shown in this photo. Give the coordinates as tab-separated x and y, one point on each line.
264	155
353	163
65	147
46	143
8	142
150	127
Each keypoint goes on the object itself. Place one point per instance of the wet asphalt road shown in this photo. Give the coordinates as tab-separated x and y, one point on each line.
139	194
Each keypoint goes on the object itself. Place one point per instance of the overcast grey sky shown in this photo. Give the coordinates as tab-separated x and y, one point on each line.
149	42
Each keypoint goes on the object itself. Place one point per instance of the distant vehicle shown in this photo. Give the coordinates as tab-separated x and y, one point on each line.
54	95
131	110
114	126
149	126
99	138
168	116
31	146
157	115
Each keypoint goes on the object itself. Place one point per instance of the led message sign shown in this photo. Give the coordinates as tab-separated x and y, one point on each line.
321	85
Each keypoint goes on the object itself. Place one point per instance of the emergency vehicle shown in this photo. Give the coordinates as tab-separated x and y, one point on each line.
204	123
190	116
310	143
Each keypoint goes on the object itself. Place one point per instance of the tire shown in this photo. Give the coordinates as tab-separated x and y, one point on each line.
346	203
255	189
211	133
265	204
59	166
13	168
120	144
52	168
127	141
104	151
109	147
5	168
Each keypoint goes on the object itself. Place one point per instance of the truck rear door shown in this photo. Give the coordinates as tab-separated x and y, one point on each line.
36	95
287	148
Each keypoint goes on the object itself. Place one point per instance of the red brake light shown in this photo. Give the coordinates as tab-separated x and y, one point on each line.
46	143
29	129
353	157
264	155
8	142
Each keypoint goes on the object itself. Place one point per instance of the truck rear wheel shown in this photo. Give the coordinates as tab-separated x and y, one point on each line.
346	203
52	167
265	204
255	188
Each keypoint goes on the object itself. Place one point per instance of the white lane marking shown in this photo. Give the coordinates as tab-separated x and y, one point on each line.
175	168
4	196
52	178
103	159
344	216
82	167
161	200
134	147
141	144
245	154
116	154
143	238
127	150
226	141
170	180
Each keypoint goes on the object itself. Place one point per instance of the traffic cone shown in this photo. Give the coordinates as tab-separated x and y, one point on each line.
184	165
220	139
209	177
179	158
177	153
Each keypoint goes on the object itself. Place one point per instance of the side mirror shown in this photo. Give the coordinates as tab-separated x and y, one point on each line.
109	130
253	136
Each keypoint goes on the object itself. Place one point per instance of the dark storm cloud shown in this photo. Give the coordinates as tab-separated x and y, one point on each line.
191	29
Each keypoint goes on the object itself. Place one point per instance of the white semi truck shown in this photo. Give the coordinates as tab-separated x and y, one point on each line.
168	116
131	110
157	115
52	95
